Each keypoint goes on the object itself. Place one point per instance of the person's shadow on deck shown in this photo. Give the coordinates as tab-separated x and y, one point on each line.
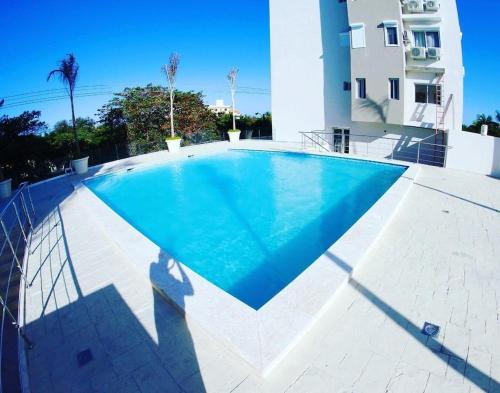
175	344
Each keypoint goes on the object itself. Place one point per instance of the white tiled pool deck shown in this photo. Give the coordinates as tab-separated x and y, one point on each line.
438	261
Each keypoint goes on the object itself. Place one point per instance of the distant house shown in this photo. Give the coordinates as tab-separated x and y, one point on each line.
222	109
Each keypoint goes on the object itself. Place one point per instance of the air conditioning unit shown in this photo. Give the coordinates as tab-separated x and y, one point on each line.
434	53
432	5
418	53
415	6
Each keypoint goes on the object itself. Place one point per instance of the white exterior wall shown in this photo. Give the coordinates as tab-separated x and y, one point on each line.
474	153
309	67
297	82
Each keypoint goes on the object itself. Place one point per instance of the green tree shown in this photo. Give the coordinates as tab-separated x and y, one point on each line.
24	153
68	74
146	113
62	136
112	128
483	119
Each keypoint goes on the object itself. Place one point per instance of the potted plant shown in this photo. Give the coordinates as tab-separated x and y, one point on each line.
234	133
170	69
5	186
68	74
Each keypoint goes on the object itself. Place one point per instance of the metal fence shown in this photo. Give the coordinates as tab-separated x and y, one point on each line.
17	217
56	166
403	149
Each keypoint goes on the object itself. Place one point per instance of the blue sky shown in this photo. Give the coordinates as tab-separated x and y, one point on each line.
124	43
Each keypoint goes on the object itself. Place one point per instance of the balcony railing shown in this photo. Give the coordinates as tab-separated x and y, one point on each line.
380	147
17	218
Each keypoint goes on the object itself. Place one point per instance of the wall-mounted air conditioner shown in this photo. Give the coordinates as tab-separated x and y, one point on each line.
432	5
415	6
418	53
433	53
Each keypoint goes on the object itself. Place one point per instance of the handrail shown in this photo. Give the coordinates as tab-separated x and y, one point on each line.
417	151
304	134
16	225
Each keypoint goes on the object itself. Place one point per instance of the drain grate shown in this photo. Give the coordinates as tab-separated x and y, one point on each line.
430	329
84	357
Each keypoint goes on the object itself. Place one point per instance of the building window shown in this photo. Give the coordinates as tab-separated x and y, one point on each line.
361	88
391	33
427	39
394	88
347	86
358	37
427	94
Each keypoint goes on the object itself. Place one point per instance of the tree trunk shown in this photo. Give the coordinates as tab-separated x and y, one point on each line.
234	118
172	133
75	135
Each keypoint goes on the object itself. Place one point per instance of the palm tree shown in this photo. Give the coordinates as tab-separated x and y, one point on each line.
231	77
483	119
497	116
1	102
170	70
68	74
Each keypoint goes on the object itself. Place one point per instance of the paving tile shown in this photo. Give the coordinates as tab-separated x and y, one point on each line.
140	342
125	363
151	378
439	384
408	379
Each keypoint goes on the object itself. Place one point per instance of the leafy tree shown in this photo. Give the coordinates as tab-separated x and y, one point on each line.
68	74
145	112
23	150
258	124
62	136
481	119
112	127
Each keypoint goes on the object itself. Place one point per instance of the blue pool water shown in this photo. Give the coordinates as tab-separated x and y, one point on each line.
249	222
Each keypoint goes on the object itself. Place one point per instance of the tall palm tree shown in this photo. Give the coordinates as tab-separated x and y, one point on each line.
231	77
68	74
1	102
170	70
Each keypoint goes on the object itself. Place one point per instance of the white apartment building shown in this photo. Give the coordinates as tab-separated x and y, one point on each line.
368	67
221	109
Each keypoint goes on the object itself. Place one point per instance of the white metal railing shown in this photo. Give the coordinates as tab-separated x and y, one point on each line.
401	149
16	224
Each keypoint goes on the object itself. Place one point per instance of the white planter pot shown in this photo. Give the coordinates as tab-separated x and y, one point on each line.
234	136
5	188
81	165
174	145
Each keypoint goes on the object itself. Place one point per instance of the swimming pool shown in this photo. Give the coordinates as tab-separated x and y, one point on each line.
249	222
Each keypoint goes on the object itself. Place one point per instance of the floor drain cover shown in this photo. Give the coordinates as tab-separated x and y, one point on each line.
84	357
430	329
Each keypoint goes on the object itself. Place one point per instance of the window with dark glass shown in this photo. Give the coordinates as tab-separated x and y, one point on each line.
428	94
392	35
394	88
427	39
361	87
